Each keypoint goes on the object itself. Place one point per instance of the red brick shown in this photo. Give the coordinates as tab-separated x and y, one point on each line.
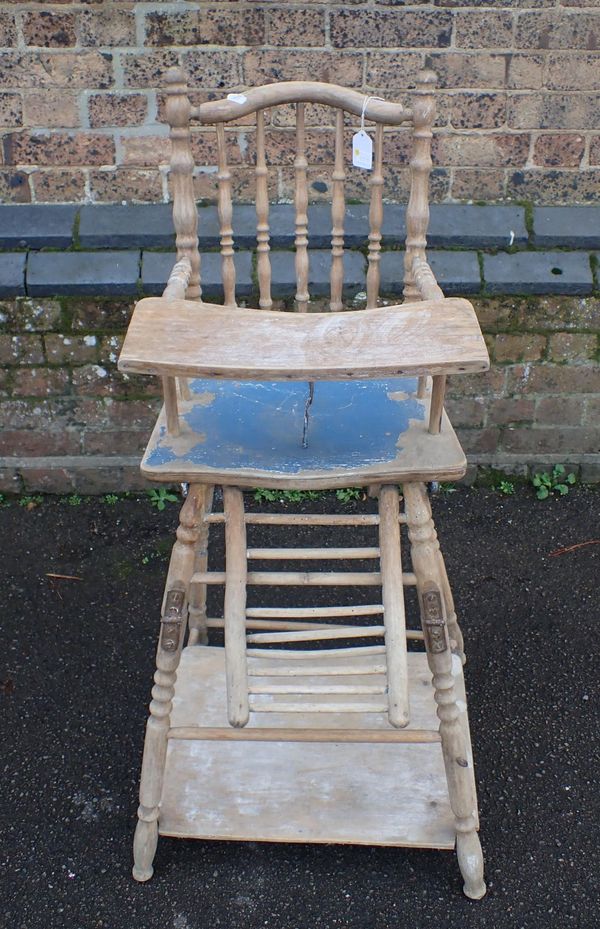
100	381
114	443
8	31
550	440
525	347
478	184
21	349
483	30
562	150
117	184
557	313
14	187
558	29
595	150
456	70
554	379
276	65
576	71
146	150
477	110
511	410
390	73
390	28
24	313
37	444
488	384
50	109
570	346
44	148
117	110
40	382
553	111
62	349
207	27
108	28
56	186
110	347
568	411
482	441
50	30
480	150
103	315
73	70
466	411
296	27
525	71
148	69
11	110
553	186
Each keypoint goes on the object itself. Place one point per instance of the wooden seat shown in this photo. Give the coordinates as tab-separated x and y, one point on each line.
288	719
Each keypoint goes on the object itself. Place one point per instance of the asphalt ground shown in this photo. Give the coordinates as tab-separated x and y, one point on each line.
75	676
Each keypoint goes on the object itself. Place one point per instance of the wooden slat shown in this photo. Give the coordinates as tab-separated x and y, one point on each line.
336	669
338	210
375	221
306	519
412	736
393	606
302	612
278	94
322	634
311	554
304	578
262	217
304	655
305	707
301	198
225	211
430	337
298	687
236	673
285	626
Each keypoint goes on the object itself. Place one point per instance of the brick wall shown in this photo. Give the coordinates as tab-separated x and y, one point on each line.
518	106
71	421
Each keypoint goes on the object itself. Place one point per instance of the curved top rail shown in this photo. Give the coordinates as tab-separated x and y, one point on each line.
249	101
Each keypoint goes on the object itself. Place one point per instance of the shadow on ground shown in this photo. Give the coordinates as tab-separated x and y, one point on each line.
75	676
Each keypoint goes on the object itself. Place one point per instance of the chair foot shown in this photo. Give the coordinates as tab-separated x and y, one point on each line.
144	846
470	862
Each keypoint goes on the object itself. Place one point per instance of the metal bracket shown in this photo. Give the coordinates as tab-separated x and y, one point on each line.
172	620
434	621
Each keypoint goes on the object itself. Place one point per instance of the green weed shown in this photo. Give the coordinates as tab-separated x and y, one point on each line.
556	481
159	498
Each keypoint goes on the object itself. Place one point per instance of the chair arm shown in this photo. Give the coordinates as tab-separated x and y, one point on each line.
179	279
425	281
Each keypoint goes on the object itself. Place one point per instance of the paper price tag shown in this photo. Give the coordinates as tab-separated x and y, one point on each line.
237	98
362	150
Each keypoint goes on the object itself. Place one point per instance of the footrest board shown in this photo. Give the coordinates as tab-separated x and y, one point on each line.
349	793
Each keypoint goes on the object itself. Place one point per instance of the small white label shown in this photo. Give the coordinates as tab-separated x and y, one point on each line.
237	98
362	150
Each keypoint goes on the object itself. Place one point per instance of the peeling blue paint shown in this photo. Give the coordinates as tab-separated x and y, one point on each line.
258	425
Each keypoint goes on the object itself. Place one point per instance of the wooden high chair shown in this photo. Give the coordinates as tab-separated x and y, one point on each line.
314	723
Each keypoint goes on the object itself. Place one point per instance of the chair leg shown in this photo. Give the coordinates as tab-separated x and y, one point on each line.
430	587
173	621
198	631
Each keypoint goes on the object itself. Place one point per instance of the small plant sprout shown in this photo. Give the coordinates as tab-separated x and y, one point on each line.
556	481
110	499
74	500
30	502
159	498
348	494
506	487
285	496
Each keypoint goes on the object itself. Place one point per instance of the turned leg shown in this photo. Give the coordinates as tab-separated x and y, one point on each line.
173	621
459	774
198	632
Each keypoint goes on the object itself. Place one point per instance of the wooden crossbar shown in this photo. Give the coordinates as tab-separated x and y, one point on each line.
283	626
318	635
304	578
301	554
306	519
209	734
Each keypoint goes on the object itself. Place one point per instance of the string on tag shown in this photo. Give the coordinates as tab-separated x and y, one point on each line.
362	143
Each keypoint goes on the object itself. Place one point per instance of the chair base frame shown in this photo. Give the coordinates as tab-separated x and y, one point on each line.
421	778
